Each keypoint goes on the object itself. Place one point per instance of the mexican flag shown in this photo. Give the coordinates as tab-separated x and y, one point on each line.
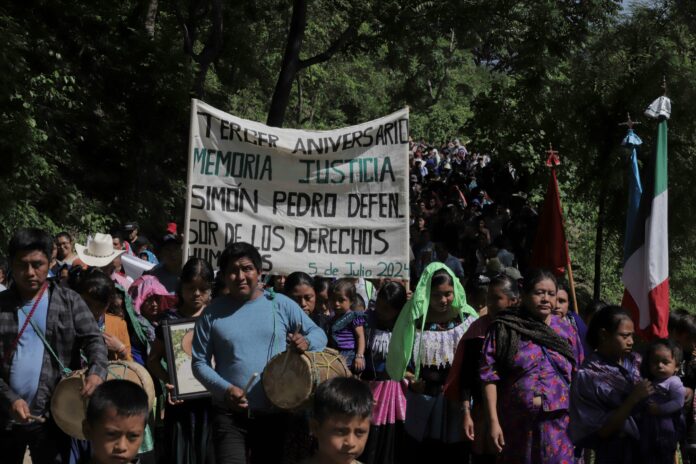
646	261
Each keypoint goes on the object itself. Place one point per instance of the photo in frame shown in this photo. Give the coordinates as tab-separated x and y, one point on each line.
178	343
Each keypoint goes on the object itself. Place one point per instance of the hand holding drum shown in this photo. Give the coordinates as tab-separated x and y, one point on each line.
297	341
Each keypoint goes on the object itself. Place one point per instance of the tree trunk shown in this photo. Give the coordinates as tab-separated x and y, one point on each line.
599	241
211	50
150	18
290	64
299	100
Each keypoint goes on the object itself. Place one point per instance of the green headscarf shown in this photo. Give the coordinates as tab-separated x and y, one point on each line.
403	335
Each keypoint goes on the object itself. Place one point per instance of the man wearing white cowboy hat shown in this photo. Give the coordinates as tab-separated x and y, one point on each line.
99	251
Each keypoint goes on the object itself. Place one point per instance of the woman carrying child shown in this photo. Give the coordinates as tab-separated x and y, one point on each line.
528	359
347	332
186	422
385	444
463	383
424	339
607	389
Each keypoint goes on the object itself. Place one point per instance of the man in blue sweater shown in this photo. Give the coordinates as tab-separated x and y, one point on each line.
242	332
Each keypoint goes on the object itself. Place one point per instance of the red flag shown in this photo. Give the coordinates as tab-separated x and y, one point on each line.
550	249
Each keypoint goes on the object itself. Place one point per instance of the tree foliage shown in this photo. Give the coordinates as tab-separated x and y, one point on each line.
94	113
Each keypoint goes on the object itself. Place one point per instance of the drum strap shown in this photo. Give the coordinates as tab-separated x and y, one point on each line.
15	342
64	370
274	345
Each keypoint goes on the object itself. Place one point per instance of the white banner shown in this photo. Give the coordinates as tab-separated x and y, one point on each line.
331	203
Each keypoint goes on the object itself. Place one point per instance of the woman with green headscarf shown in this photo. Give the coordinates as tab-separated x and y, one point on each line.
422	349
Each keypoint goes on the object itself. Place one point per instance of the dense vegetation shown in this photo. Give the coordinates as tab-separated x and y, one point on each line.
95	102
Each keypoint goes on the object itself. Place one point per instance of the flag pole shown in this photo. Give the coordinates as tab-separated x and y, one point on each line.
552	161
571	279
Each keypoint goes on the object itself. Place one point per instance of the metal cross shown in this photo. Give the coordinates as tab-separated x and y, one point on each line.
629	123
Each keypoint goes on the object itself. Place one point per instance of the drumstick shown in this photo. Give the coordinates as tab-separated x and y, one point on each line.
251	380
38	419
298	329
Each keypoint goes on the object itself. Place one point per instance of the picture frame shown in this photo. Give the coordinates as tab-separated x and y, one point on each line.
178	338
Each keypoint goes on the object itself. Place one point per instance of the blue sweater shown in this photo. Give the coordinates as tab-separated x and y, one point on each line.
243	337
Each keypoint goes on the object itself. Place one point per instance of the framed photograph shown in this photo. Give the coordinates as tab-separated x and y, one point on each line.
178	343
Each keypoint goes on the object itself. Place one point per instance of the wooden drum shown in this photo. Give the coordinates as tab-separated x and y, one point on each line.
68	408
290	378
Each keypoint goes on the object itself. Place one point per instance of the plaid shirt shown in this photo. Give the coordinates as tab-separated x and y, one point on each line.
70	326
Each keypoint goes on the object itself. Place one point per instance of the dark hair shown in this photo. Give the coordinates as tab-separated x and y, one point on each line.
507	284
676	320
681	321
563	285
116	234
193	269
345	286
346	396
534	276
4	266
30	239
592	308
75	275
296	279
127	397
321	284
219	285
97	285
63	234
441	277
393	294
650	352
607	318
237	250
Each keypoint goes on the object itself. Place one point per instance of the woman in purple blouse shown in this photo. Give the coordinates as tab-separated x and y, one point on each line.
528	359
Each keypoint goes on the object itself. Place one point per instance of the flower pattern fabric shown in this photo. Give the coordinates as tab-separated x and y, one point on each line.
534	433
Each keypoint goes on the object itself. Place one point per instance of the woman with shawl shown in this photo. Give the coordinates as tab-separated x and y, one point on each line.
528	359
424	340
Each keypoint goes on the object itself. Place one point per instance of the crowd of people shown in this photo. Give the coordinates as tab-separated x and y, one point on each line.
476	358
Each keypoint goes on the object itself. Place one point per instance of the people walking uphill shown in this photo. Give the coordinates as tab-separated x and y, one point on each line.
529	357
242	331
422	348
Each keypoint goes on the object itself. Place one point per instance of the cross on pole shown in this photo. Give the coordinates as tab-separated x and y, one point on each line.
553	160
629	123
664	85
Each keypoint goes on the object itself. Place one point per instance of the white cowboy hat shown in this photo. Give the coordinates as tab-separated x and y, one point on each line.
99	250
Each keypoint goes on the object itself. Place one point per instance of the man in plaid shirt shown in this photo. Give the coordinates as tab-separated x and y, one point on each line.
30	368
